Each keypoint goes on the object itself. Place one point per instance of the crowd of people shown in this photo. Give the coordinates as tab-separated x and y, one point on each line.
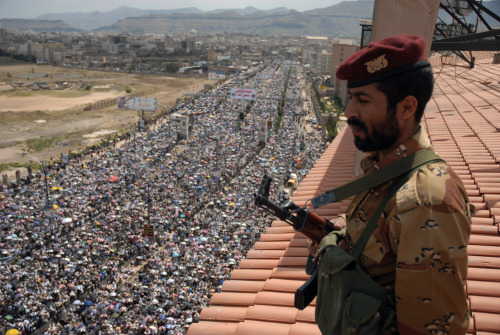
78	259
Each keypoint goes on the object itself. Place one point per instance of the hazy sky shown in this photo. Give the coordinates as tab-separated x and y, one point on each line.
28	9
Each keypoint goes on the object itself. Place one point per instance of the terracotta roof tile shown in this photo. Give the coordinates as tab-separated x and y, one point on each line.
485	304
290	273
271	245
272	313
254	274
486	274
265	253
250	286
252	263
223	314
486	322
274	298
219	328
282	285
233	299
304	329
483	250
273	237
463	123
293	261
297	252
251	327
307	314
485	288
484	262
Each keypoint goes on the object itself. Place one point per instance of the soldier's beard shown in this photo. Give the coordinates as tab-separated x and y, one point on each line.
383	135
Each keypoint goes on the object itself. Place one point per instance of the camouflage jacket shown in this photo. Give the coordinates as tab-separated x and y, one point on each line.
419	247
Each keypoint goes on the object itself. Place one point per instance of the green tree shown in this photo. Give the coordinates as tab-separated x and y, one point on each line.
172	67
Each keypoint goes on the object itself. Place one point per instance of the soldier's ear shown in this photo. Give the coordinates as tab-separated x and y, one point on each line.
407	107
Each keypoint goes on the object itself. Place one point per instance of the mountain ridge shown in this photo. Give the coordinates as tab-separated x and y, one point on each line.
329	21
96	19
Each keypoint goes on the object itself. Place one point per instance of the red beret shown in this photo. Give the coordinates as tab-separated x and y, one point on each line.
383	59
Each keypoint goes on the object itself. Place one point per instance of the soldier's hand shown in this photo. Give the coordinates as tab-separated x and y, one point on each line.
312	247
339	223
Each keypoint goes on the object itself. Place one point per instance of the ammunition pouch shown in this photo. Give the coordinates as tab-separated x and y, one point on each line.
348	300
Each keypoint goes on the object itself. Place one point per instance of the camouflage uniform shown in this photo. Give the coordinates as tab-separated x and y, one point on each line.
419	245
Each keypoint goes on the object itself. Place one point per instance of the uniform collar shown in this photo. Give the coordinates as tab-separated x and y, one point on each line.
419	141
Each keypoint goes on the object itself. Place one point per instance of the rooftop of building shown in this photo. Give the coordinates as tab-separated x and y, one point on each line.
463	123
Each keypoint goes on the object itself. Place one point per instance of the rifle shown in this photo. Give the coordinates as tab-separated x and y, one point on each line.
302	220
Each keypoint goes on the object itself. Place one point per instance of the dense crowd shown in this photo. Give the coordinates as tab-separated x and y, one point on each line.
86	267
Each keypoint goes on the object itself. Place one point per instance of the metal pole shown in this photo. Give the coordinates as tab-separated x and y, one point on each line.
135	150
149	202
44	171
46	184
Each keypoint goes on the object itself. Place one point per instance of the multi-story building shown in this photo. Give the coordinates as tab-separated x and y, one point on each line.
252	56
211	56
341	51
324	62
220	72
319	61
110	48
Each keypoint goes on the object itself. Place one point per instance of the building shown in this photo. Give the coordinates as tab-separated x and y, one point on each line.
252	56
220	72
324	62
211	56
341	51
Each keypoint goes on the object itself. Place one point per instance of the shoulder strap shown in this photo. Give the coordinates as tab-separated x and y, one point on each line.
370	227
378	177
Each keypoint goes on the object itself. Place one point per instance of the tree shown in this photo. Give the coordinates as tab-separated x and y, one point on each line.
172	67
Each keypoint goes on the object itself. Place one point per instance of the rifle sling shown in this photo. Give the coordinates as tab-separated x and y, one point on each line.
367	232
376	178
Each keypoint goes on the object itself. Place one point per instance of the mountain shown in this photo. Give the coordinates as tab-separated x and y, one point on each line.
94	20
341	20
248	10
37	25
357	8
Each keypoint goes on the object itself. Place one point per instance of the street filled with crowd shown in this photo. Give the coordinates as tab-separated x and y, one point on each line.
135	238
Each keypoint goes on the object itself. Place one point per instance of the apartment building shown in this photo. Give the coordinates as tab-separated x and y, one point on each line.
341	51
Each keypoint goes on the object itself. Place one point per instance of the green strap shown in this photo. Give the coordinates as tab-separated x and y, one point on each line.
376	178
370	227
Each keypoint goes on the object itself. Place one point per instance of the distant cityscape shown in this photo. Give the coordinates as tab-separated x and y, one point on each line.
216	56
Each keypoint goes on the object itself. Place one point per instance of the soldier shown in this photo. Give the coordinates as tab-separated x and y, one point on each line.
418	248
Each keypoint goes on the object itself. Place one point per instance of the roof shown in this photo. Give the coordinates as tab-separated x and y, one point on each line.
463	123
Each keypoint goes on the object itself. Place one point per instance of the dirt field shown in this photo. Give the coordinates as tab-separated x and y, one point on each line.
33	120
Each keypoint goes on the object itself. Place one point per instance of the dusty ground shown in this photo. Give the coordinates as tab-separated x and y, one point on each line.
28	117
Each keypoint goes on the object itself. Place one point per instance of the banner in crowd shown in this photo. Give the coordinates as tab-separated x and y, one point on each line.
243	93
138	103
149	230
